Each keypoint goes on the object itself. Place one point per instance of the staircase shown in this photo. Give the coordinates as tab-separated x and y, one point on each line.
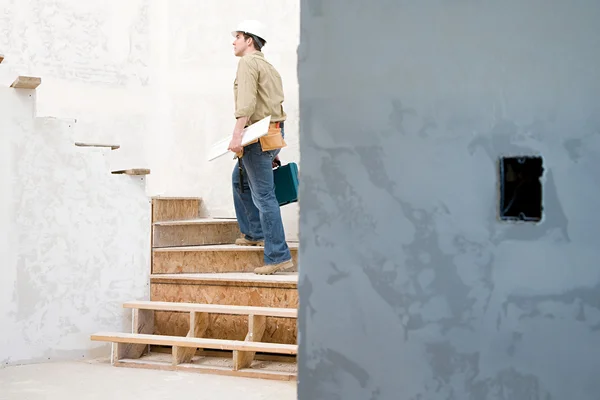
208	312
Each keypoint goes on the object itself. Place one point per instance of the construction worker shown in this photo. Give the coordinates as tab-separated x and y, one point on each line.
258	93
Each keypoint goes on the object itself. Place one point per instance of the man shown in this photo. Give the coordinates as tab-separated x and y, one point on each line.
258	93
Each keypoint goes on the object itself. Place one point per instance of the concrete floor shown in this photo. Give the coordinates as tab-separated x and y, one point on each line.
99	380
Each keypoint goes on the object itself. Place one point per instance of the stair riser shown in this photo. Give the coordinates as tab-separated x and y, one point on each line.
278	330
165	209
173	262
195	235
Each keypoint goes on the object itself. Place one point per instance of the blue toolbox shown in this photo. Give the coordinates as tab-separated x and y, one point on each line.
286	183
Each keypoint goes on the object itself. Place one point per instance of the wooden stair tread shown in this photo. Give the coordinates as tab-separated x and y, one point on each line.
26	82
132	171
212	308
220	247
220	344
197	221
112	146
285	280
160	197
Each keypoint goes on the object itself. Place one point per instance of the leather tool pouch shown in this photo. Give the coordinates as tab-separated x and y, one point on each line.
273	140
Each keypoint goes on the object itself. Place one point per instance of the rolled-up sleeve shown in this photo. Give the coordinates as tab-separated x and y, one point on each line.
247	81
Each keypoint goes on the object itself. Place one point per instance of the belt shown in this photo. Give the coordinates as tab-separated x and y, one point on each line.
278	124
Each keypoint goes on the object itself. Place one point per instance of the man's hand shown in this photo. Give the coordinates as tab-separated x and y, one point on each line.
238	131
276	162
236	144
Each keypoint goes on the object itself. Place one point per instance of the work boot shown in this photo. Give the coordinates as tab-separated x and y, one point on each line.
245	242
272	268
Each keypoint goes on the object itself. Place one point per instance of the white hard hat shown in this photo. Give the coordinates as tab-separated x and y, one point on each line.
253	27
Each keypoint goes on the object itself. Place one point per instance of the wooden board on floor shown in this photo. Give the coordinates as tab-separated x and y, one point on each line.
216	366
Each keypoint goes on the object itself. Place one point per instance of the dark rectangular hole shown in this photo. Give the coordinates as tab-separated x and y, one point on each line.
521	188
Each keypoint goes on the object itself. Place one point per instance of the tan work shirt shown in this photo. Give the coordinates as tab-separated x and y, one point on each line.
258	90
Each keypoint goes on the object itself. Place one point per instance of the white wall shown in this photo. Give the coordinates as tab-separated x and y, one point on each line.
74	239
199	68
153	76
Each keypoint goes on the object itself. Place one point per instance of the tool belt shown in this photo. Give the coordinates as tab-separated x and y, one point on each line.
273	140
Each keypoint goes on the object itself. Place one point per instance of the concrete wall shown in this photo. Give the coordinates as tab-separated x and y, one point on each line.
74	239
411	287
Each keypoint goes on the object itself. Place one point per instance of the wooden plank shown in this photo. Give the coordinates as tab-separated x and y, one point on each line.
281	280
212	309
1	58
142	322
26	82
133	171
114	353
244	373
195	342
198	327
256	330
221	248
112	146
228	354
224	258
198	221
195	234
173	208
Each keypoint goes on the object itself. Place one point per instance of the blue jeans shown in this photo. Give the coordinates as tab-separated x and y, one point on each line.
257	208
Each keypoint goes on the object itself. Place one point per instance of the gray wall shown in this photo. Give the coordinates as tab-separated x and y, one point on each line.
410	286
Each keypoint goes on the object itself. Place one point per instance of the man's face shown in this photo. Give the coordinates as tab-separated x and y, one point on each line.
240	44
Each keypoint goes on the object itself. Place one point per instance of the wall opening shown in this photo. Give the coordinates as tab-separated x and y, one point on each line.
521	188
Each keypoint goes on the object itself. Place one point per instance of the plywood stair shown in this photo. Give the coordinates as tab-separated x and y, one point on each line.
208	312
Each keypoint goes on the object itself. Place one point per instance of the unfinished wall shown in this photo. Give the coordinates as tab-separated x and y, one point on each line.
411	288
153	76
95	61
74	238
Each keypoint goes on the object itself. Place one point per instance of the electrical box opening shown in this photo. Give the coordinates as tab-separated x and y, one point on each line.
521	188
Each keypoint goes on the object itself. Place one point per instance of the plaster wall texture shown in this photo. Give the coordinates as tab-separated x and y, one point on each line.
153	76
411	287
74	238
94	61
